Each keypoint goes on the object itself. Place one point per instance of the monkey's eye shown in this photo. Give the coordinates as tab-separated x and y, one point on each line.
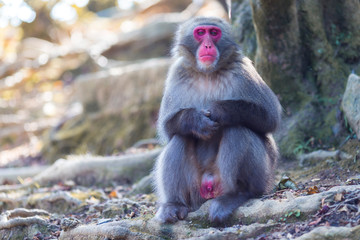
213	32
201	32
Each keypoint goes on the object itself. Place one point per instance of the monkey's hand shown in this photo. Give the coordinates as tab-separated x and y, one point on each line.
204	126
240	112
192	122
217	113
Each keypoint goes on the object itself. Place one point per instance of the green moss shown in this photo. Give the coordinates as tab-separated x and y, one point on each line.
290	143
329	121
100	133
316	57
311	128
301	127
293	216
25	232
199	222
331	76
166	231
351	147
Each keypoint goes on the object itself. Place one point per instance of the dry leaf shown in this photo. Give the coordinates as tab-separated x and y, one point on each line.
339	197
113	194
286	182
315	222
312	190
344	209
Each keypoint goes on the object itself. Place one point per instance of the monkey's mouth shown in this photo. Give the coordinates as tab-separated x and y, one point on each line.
207	58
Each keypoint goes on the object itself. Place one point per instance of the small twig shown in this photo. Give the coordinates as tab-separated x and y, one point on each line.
9	188
352	199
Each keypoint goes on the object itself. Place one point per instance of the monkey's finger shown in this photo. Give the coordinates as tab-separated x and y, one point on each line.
216	124
171	217
182	213
207	113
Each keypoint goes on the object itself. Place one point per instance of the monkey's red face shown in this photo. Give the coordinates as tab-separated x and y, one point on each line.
207	35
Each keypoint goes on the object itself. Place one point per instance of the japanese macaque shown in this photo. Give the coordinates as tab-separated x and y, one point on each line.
216	116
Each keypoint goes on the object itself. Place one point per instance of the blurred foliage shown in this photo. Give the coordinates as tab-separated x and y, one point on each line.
39	57
96	6
46	45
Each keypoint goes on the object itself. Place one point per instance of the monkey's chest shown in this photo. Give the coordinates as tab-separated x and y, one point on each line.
204	90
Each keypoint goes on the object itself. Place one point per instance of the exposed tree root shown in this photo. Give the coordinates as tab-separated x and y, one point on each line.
23	212
22	217
92	170
110	230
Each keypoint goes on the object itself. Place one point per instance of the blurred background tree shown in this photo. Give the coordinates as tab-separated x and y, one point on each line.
305	50
86	76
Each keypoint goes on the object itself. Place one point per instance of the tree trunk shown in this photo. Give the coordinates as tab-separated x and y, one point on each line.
305	52
277	55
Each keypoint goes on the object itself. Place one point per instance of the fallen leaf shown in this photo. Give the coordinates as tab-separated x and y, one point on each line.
324	209
315	222
339	197
344	209
286	182
113	194
92	201
312	190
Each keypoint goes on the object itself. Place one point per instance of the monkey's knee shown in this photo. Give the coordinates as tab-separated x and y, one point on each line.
245	162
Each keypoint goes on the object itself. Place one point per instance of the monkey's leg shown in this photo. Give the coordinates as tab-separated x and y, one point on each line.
244	171
175	180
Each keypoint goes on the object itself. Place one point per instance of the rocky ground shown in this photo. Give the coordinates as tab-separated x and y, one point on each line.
309	202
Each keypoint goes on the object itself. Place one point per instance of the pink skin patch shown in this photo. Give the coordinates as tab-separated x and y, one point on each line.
207	36
210	186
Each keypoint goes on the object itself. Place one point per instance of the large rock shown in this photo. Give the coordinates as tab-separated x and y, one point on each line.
122	87
120	107
351	103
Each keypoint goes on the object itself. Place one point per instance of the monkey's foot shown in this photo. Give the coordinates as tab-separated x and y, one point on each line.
222	207
171	213
219	212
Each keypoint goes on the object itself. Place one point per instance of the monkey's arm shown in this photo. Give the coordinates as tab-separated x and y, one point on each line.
259	118
191	122
256	106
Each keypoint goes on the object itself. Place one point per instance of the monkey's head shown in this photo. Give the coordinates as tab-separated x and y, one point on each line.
205	43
